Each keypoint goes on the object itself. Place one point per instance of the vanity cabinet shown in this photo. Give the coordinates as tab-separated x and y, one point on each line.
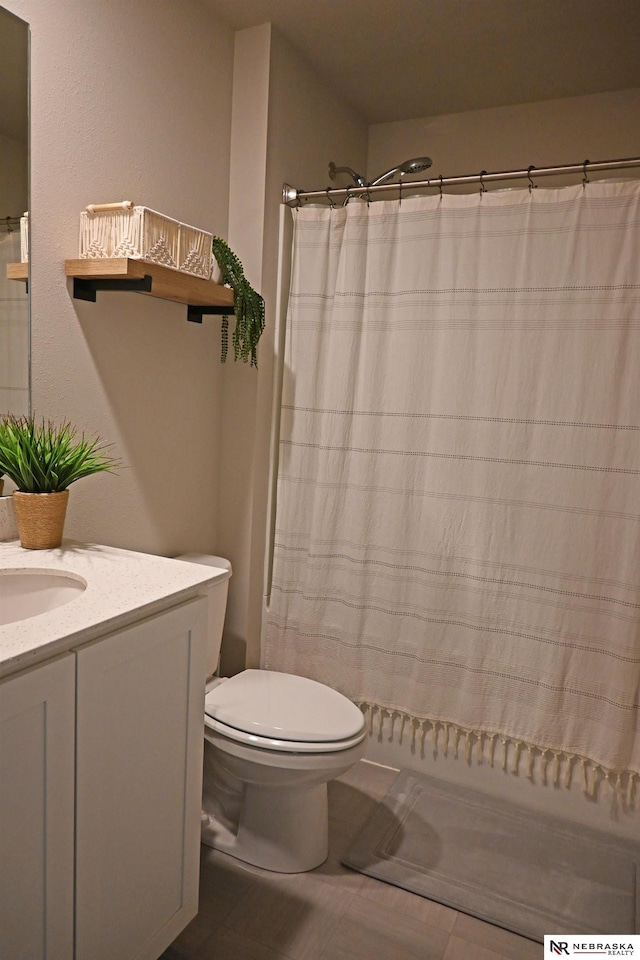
100	794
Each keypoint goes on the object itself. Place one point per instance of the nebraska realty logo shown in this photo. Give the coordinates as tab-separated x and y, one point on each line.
591	945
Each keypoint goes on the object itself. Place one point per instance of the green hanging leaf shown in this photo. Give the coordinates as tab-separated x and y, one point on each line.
248	306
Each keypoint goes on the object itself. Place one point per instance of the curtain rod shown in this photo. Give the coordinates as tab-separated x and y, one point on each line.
294	198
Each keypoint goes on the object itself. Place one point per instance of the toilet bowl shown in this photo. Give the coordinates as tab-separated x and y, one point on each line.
272	743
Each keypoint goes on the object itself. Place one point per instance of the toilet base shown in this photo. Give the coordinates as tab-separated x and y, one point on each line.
281	830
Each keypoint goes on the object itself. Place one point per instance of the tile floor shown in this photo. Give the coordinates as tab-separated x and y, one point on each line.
332	913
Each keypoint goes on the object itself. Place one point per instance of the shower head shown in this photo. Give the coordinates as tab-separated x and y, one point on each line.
417	165
357	179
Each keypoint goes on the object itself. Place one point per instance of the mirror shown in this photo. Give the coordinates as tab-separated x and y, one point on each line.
14	201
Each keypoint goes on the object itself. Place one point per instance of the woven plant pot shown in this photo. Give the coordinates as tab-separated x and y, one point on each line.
40	518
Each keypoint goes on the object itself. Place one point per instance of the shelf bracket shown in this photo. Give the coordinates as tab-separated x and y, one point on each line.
195	313
85	289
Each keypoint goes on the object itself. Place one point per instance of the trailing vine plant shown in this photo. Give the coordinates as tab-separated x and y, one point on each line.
248	306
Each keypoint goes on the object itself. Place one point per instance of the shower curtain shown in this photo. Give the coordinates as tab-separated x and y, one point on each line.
457	542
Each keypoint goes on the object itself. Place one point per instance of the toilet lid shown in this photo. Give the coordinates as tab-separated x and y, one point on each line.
284	707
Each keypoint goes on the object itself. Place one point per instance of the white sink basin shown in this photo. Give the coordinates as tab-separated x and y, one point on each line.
28	593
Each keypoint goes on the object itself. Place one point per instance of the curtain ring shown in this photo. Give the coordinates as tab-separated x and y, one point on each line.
483	189
532	185
585	178
330	198
400	192
441	186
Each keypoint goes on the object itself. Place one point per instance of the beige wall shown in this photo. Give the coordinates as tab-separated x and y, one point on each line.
129	100
135	101
289	135
598	127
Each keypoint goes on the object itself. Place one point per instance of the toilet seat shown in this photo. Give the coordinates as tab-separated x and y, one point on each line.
279	711
283	746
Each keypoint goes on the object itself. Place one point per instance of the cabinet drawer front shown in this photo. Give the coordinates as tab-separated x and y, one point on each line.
139	780
37	723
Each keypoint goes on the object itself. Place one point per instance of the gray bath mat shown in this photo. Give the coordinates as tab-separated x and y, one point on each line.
523	871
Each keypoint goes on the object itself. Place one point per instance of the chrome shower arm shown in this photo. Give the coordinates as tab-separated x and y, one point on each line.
356	177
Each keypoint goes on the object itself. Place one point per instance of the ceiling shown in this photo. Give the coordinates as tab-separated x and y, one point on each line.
401	59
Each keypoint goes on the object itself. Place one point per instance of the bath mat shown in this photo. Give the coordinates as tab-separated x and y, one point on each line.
527	872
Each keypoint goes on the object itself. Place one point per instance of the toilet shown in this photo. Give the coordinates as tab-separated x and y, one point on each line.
272	743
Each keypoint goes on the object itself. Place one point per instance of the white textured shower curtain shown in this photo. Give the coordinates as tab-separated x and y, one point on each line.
458	508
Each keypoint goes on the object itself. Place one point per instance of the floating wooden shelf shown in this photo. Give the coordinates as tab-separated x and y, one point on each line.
18	271
200	296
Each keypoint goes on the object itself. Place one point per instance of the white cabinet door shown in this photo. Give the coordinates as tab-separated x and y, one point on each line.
140	710
37	727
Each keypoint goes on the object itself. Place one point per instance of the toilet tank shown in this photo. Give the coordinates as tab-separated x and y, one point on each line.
217	597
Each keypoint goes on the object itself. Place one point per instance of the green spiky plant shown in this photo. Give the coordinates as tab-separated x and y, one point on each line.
43	457
248	307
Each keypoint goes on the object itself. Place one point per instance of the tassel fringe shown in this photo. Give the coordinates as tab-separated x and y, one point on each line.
553	767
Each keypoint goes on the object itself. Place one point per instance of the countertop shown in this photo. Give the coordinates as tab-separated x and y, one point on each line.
122	586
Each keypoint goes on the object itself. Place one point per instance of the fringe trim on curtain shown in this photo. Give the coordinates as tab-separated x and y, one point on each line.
556	767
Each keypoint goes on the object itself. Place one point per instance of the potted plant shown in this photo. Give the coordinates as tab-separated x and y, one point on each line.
43	459
248	306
